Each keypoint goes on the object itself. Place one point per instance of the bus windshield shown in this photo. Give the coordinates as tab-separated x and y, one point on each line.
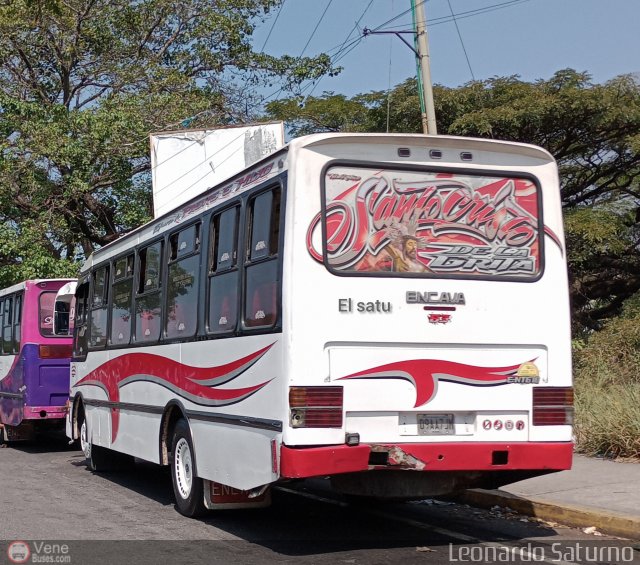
438	223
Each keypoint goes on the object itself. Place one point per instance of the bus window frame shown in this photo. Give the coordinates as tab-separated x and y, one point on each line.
104	305
112	282
376	166
211	273
10	299
164	288
17	321
205	221
52	335
3	325
245	254
81	321
160	289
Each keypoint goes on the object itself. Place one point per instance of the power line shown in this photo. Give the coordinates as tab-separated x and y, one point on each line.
315	28
346	47
357	24
340	48
485	10
461	41
389	77
459	15
272	26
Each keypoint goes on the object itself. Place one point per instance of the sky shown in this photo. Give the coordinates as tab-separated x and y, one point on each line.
529	38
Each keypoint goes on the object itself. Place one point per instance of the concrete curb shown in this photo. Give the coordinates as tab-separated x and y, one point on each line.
579	516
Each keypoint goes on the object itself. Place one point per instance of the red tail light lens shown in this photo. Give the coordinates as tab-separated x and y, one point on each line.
316	406
54	351
552	406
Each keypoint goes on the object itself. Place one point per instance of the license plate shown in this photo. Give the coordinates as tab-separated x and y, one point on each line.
435	424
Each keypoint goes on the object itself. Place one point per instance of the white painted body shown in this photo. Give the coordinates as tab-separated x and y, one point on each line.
502	323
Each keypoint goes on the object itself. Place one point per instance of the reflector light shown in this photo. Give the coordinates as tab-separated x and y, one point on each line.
316	406
352	439
54	351
552	406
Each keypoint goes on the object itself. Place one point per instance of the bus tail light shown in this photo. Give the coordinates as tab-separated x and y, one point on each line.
315	406
54	351
552	406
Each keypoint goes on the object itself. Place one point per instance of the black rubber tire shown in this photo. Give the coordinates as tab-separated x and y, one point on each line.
188	488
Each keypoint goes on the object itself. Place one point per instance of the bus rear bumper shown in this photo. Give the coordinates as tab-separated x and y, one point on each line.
44	412
304	462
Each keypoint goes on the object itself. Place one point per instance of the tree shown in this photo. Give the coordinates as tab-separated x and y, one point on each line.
593	131
83	82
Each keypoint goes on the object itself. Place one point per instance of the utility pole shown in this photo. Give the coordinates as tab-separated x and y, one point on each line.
421	51
422	40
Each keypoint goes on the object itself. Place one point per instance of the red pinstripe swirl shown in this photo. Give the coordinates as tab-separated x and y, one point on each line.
199	385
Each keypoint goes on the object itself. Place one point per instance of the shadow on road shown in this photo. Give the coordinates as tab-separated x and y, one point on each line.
305	524
45	442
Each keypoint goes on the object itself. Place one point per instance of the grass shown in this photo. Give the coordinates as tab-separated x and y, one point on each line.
607	391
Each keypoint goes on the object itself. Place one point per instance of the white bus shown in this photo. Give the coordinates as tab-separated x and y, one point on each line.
387	310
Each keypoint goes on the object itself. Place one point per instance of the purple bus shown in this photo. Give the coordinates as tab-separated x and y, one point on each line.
34	363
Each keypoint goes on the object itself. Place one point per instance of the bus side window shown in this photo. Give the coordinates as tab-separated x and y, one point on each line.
99	309
148	308
121	302
183	283
80	334
7	339
222	315
261	267
17	323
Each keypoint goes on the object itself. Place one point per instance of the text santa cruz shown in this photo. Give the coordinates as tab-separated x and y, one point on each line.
503	233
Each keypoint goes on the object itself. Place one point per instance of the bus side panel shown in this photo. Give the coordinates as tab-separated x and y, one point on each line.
46	381
229	391
242	458
238	451
11	382
138	435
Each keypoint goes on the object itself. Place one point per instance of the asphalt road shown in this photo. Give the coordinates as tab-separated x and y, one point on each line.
47	493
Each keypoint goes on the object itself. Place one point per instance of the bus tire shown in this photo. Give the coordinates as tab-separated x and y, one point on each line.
85	444
188	489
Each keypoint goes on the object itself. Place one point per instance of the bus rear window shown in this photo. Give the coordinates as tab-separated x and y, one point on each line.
45	313
432	224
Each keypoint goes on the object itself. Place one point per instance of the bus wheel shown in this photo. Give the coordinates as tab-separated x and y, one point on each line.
188	489
85	445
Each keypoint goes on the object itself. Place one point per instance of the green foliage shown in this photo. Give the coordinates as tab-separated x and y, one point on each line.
593	131
607	386
83	82
330	113
41	262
